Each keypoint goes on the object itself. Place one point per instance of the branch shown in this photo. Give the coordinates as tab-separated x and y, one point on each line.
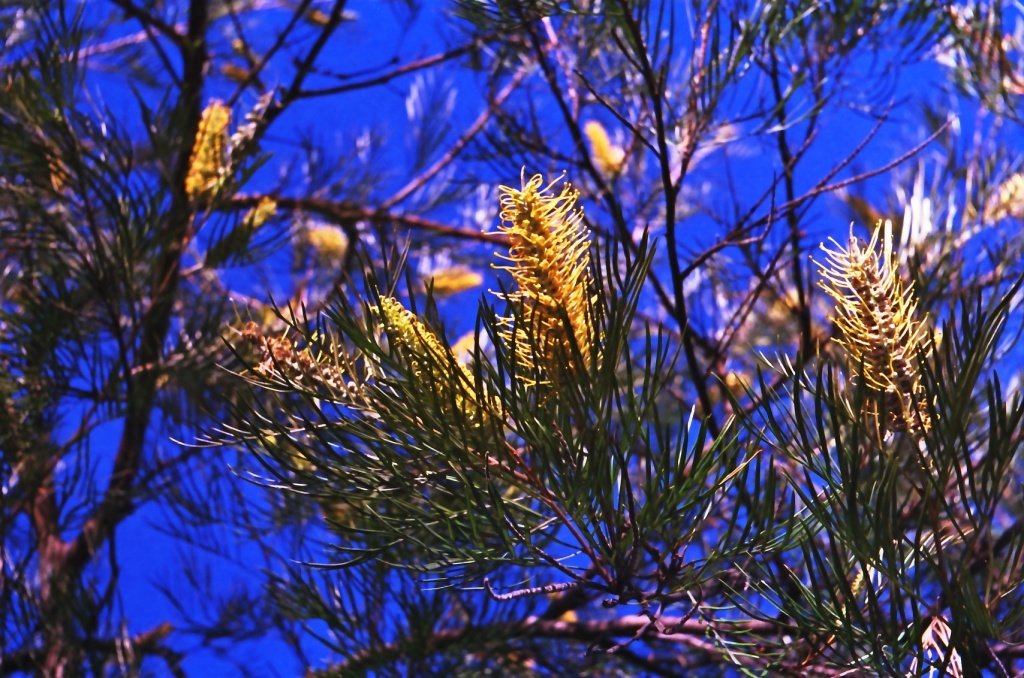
654	85
533	591
279	43
474	129
146	643
153	22
155	323
294	91
343	212
405	69
583	631
823	187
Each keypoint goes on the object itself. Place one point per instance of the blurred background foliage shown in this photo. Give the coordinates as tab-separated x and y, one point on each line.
289	385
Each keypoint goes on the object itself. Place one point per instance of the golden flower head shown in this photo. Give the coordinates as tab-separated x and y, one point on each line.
455	279
208	165
874	312
281	360
465	346
431	363
549	260
263	212
607	156
329	242
235	72
1008	201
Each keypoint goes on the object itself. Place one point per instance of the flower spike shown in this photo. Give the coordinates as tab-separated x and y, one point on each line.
874	312
432	363
208	164
607	156
549	260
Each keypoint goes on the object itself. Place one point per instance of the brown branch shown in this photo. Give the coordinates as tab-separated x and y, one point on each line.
344	213
405	69
294	91
823	187
789	162
141	388
474	129
533	591
654	85
153	22
279	42
146	643
584	631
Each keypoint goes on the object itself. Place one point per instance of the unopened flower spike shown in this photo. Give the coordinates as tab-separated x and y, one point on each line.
874	312
549	259
608	157
455	279
208	164
264	211
329	243
431	363
281	360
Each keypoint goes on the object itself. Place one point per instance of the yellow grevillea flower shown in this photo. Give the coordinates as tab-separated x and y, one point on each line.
431	363
329	242
607	156
208	164
1008	200
549	260
264	211
874	312
455	279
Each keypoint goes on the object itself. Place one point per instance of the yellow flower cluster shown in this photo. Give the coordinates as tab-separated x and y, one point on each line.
550	331
264	211
208	164
431	363
549	260
329	242
280	358
607	156
1008	202
455	279
874	312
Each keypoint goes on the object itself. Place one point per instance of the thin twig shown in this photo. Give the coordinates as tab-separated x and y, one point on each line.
533	591
404	69
429	173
